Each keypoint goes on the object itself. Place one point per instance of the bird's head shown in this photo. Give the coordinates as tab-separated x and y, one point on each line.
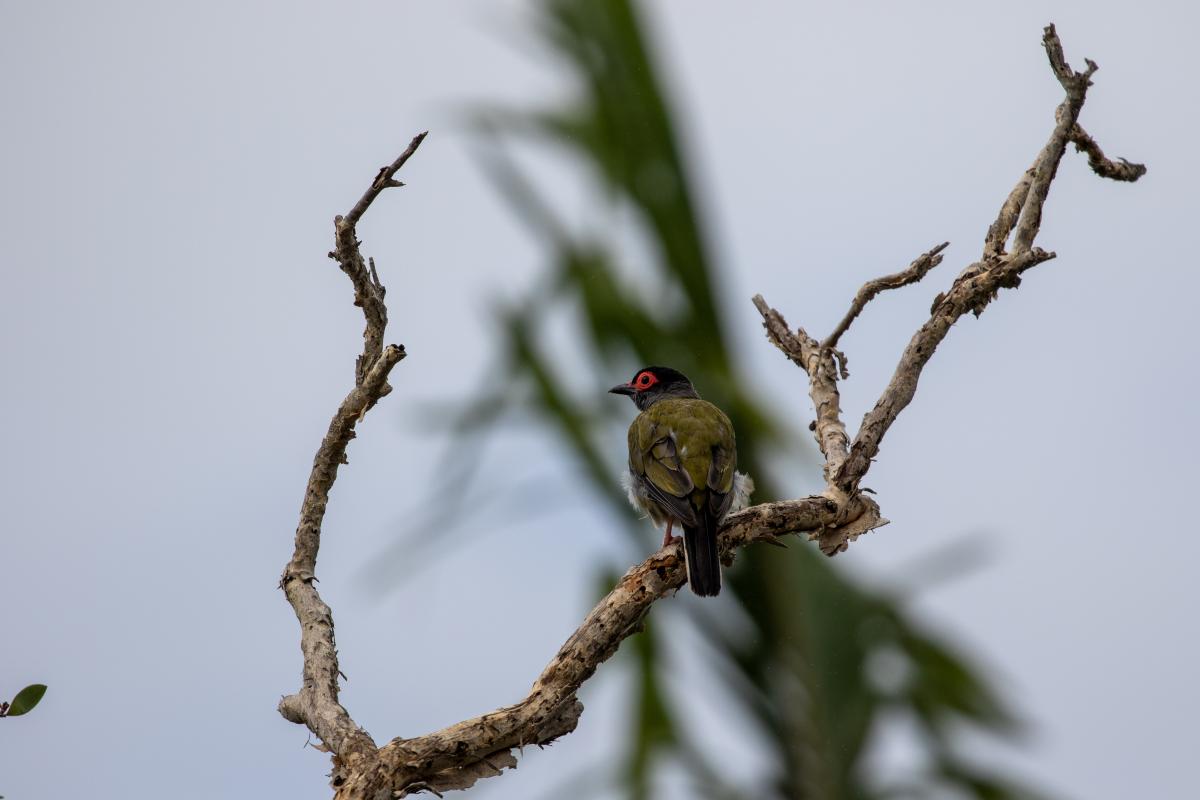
651	384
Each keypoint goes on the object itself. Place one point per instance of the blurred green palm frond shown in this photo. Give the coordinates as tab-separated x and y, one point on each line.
817	662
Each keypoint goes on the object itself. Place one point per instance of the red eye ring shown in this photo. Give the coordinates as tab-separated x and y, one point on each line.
645	380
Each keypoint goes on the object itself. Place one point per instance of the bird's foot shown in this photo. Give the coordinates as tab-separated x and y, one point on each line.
668	539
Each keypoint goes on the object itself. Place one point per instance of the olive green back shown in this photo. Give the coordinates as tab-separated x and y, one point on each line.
684	446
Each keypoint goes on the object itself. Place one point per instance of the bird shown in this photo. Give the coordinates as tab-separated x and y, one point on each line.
683	468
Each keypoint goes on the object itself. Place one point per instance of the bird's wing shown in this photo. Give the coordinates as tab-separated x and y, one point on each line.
719	504
718	439
721	468
654	461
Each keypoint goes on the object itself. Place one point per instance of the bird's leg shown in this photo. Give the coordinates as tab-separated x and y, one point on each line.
668	539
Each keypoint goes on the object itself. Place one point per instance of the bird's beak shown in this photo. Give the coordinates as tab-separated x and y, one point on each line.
624	388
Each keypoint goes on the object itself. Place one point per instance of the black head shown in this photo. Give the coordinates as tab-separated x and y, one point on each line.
651	384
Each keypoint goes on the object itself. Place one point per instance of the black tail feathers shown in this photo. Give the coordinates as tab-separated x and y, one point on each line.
701	558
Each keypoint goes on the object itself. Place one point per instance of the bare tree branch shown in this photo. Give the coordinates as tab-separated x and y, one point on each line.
1046	167
974	288
970	292
368	291
316	704
979	283
457	756
818	362
853	514
1125	171
442	760
918	269
1010	211
384	180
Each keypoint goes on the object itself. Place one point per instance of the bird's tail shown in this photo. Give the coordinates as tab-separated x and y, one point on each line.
701	558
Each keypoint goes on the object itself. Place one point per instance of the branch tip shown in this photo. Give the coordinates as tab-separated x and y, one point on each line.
383	180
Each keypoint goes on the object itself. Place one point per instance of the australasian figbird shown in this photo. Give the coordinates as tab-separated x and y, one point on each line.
683	468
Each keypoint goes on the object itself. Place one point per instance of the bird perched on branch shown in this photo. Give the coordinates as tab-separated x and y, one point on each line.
682	468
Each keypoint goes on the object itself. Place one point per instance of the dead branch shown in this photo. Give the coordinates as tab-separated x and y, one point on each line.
449	758
972	290
1102	166
368	291
316	704
457	756
917	270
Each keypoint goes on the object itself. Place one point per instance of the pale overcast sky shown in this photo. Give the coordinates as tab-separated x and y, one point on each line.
175	340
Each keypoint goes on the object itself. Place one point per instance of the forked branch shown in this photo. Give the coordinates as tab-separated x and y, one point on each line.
975	287
457	756
316	705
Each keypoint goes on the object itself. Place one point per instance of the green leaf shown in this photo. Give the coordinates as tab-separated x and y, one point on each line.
26	699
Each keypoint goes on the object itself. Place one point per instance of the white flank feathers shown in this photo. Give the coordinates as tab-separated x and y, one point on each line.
743	487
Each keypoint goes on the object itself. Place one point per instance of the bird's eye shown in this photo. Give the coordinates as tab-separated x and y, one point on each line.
645	380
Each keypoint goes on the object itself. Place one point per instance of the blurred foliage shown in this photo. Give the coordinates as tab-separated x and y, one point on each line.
24	702
817	662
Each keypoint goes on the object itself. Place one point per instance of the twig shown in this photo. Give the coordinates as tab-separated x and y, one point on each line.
368	291
917	270
1125	171
384	180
